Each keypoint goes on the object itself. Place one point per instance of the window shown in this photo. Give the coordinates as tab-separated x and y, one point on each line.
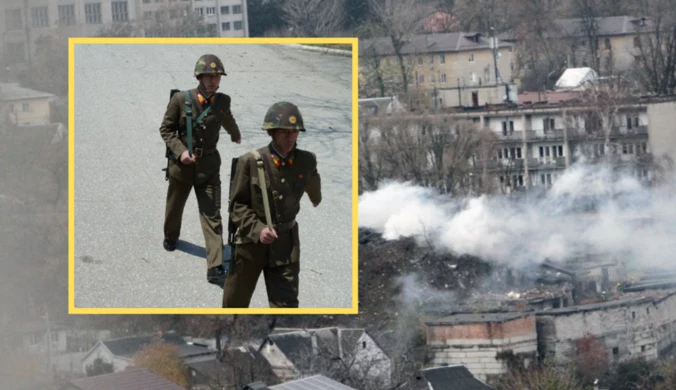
560	150
225	26
67	14
25	107
39	17
409	61
421	79
633	315
632	122
518	152
616	351
13	19
608	47
147	15
548	124
236	9
637	42
507	128
431	60
442	59
199	11
642	348
211	10
431	79
225	10
93	13
238	25
443	78
120	12
471	57
363	344
420	60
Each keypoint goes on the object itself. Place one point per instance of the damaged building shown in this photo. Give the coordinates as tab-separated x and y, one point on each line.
635	325
476	340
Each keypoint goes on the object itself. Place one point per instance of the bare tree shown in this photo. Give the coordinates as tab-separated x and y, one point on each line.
314	18
546	377
483	15
655	65
588	12
398	21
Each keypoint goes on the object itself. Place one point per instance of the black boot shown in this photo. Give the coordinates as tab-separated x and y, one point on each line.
169	245
217	275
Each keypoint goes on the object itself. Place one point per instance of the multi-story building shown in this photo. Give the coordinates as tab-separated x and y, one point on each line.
608	45
24	21
227	17
454	69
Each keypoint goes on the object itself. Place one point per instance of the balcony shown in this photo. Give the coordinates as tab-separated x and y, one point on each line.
547	135
546	162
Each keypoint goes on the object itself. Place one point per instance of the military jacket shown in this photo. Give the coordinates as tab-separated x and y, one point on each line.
174	124
291	178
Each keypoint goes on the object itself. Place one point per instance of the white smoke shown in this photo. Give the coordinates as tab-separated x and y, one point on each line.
628	221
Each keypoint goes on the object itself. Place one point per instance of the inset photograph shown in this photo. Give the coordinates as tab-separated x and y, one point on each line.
215	177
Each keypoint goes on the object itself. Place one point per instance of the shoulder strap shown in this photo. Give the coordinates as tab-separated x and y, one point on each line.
188	118
261	177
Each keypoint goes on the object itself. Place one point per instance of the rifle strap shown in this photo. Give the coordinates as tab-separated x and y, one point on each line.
188	118
264	188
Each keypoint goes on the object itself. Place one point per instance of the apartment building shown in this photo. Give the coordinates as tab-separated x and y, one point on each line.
536	143
611	45
452	68
228	18
24	21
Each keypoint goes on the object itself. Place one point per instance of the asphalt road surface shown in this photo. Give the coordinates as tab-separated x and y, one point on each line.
121	94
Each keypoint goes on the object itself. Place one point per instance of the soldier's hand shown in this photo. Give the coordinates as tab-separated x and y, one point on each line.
267	235
186	159
315	204
239	141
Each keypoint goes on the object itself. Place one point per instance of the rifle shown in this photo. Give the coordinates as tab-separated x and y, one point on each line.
232	227
168	154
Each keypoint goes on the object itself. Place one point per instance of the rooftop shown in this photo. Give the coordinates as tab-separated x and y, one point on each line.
131	379
316	382
473	318
431	43
627	299
456	377
14	91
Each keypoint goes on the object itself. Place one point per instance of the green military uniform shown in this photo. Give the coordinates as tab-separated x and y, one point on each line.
287	179
204	173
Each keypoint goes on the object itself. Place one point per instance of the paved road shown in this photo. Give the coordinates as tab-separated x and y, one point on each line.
121	93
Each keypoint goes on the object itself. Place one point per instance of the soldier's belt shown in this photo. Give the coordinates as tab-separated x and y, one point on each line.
199	152
285	226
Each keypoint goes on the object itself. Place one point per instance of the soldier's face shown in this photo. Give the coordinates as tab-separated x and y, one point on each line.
285	139
210	82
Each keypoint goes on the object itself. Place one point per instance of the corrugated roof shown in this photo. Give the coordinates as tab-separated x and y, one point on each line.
316	382
133	379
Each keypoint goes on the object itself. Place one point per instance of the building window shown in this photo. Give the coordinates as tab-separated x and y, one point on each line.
211	10
67	14
225	10
632	122
409	61
637	41
420	60
225	26
431	79
147	15
471	57
548	124
431	60
39	17
93	13
236	9
443	78
442	59
608	47
421	79
507	128
237	25
616	351
199	11
120	12
13	19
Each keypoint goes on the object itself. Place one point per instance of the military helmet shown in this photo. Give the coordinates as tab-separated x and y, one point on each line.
283	115
209	63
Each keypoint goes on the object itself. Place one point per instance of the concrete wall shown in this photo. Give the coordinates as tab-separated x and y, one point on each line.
640	329
662	132
476	345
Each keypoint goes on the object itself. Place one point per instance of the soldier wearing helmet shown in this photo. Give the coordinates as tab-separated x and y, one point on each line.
199	168
289	173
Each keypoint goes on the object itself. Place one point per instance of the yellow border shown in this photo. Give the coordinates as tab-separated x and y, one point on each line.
71	174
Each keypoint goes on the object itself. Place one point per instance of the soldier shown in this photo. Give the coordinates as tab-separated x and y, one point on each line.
201	168
289	173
